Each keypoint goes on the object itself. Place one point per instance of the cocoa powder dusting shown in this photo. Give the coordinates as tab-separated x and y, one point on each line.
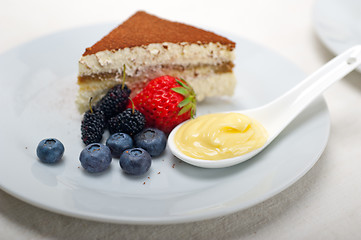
142	29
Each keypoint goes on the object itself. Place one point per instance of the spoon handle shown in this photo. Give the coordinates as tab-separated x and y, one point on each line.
290	104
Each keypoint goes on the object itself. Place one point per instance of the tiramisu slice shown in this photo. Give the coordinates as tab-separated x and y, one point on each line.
149	47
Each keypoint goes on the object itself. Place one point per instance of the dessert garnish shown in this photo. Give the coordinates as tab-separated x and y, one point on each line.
135	161
95	158
130	121
92	125
115	100
152	140
118	143
165	102
50	150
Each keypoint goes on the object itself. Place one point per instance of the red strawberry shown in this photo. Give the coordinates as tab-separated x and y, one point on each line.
166	102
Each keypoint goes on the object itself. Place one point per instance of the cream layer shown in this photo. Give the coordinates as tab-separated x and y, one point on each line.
139	59
208	84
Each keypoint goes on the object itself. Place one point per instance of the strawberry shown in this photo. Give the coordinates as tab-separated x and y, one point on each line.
166	102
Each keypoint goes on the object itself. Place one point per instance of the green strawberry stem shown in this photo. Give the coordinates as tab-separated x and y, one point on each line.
189	102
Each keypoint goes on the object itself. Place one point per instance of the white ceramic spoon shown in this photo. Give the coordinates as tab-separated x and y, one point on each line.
277	114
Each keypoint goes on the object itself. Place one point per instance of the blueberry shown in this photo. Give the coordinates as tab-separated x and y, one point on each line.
118	142
95	157
50	150
152	140
135	161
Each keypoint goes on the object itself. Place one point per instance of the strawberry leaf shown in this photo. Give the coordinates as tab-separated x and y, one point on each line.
184	102
184	84
181	91
189	102
185	109
181	83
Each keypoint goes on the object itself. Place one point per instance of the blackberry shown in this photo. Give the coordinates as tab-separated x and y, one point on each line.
130	121
114	101
92	126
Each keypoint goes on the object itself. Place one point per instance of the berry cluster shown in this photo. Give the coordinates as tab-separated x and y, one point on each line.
135	154
110	112
138	127
164	103
130	141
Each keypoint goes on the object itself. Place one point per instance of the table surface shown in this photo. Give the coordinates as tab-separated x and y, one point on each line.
324	204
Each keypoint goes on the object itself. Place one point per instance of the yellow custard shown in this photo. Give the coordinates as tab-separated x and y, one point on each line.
219	136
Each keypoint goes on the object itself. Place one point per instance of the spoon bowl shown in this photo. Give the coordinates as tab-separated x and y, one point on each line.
277	114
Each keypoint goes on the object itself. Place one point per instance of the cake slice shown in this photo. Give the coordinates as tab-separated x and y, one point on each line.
150	47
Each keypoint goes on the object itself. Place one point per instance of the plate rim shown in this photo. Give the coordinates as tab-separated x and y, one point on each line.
319	30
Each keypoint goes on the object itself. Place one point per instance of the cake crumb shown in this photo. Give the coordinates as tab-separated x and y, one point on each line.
143	183
148	177
173	165
158	172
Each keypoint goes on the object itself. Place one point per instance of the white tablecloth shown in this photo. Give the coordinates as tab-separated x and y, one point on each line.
324	204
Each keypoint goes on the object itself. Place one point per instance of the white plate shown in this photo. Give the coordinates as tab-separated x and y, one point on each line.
38	83
338	24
